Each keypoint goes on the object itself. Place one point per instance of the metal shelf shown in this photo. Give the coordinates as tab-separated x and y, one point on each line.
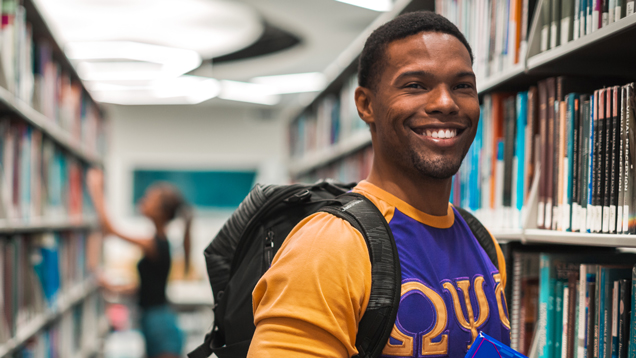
47	126
74	296
592	52
320	158
41	225
486	84
576	238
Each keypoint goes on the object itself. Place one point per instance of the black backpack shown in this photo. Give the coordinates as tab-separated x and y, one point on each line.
244	248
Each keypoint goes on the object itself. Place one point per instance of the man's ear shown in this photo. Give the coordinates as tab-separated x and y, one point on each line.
364	99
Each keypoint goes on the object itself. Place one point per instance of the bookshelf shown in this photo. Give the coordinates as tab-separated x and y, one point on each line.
51	132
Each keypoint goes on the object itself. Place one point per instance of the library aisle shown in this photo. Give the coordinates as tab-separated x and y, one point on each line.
176	109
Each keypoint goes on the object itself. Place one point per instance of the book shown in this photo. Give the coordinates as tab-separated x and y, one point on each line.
630	152
544	160
546	21
567	21
615	159
624	313
620	109
597	15
577	147
606	179
555	26
552	152
522	161
486	346
509	143
629	7
592	166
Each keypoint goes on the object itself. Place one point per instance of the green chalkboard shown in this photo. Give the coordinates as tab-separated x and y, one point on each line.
214	190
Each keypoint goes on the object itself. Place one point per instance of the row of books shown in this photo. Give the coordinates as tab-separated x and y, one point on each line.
580	141
352	168
565	20
38	272
38	180
497	30
74	334
331	120
496	174
30	71
574	304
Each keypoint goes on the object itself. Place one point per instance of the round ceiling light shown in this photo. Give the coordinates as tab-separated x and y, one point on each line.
212	28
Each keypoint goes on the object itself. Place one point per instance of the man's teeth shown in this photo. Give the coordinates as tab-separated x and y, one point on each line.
441	133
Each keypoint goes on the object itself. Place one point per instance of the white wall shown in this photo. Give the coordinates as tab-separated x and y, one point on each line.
187	137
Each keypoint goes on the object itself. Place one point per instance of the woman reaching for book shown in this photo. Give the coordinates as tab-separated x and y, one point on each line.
161	203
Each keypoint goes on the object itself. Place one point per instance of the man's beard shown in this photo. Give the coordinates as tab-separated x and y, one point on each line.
438	169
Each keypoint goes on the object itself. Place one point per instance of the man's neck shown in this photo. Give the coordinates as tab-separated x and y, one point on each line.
426	194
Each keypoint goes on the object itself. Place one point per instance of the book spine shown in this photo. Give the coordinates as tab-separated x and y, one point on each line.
565	321
598	311
585	167
555	28
605	13
592	165
583	18
558	323
543	135
567	21
576	153
624	315
629	151
598	159
582	315
545	302
572	314
627	186
616	160
577	19
615	325
546	21
562	164
571	177
515	316
551	153
597	15
632	326
621	163
629	7
521	163
591	343
607	166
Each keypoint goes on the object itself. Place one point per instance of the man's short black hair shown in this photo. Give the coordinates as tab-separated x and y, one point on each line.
372	58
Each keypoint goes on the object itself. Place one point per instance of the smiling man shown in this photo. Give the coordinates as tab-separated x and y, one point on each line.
418	95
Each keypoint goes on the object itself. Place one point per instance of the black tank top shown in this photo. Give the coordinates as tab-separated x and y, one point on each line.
153	275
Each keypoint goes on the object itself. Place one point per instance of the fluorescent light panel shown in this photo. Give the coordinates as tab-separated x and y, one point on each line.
293	83
248	92
180	90
125	60
375	5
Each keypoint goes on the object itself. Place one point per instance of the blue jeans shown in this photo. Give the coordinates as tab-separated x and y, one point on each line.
161	332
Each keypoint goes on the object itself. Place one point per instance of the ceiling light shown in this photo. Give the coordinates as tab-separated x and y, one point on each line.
249	92
375	5
125	60
212	28
180	90
294	83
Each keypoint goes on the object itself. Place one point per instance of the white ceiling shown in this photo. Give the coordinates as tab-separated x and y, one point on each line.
326	28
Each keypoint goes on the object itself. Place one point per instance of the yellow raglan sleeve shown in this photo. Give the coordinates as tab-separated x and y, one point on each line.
310	301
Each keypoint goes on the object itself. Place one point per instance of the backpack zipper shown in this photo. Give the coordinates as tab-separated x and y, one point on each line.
269	248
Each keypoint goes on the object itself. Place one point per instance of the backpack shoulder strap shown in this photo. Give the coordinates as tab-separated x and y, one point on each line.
386	277
481	234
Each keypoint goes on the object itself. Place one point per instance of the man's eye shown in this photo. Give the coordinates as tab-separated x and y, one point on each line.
464	86
414	85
